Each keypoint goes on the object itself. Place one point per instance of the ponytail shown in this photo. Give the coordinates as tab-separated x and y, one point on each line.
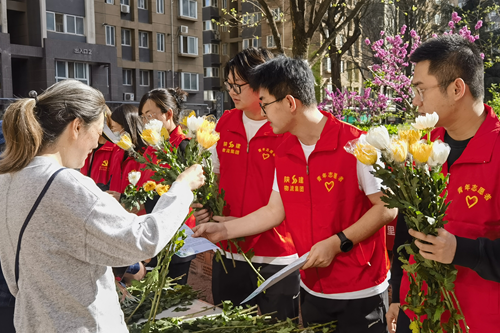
32	124
23	135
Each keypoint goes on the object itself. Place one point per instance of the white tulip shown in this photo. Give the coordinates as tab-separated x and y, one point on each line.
439	154
426	122
133	177
155	125
431	220
193	123
378	137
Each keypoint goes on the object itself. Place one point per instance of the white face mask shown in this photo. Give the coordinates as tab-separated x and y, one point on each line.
118	134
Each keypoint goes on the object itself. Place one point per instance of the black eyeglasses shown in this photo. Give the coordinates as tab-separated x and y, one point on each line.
263	106
236	87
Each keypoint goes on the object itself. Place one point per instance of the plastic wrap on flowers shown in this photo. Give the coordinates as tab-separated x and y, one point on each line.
362	150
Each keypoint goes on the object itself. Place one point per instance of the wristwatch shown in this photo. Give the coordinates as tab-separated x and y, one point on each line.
345	243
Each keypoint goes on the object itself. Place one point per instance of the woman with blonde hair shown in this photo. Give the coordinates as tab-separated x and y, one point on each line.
60	233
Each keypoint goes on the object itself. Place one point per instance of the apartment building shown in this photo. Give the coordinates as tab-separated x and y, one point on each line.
124	48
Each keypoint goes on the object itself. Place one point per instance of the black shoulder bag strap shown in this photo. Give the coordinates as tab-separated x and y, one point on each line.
32	211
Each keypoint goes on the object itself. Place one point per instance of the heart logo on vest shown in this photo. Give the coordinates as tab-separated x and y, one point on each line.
471	201
265	156
329	185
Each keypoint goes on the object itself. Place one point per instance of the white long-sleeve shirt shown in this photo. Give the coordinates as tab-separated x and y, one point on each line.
76	234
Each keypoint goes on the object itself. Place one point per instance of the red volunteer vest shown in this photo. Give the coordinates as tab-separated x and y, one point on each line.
101	163
474	211
321	198
247	176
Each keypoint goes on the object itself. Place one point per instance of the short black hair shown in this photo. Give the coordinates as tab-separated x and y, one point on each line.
243	62
283	76
452	57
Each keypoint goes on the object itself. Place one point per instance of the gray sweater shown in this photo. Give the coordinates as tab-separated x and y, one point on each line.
76	234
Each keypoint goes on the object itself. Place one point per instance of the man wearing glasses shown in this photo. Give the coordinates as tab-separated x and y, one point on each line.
244	160
332	204
449	80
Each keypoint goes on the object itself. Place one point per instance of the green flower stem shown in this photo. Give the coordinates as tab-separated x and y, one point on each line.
240	251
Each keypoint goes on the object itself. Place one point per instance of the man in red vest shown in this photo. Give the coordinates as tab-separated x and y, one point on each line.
244	159
332	204
449	79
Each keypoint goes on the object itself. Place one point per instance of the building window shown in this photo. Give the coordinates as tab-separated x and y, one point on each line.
210	3
251	19
161	79
127	77
210	48
65	23
209	25
245	44
126	37
209	95
141	4
211	71
256	42
270	41
72	70
143	40
224	49
110	35
144	78
189	8
188	45
189	81
160	42
224	3
251	42
111	2
125	2
328	65
160	6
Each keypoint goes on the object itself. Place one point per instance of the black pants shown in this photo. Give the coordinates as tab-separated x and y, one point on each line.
282	298
352	316
403	324
7	319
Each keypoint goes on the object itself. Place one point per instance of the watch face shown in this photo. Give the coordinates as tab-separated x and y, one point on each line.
346	246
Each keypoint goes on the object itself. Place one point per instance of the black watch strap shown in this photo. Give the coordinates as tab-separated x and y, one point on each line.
346	244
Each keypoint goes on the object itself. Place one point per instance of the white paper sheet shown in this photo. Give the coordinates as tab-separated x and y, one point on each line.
194	245
297	264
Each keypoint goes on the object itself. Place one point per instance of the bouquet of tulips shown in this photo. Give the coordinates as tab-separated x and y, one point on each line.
411	175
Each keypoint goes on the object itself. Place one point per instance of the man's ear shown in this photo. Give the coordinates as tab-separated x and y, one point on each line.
292	103
459	88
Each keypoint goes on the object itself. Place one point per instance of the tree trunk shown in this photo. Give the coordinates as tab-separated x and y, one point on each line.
335	58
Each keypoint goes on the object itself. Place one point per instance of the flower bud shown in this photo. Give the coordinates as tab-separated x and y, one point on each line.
426	122
439	154
125	142
133	177
378	137
421	151
366	154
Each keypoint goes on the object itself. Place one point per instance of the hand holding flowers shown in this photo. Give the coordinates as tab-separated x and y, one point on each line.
415	185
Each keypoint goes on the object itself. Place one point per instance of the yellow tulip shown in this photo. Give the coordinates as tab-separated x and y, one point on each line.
411	136
125	142
152	137
399	150
421	151
207	139
164	133
366	154
162	189
149	186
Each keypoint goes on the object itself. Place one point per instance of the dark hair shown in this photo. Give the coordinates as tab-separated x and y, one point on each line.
242	63
283	76
166	99
32	124
127	116
452	57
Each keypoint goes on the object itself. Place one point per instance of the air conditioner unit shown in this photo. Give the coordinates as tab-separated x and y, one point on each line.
125	9
184	29
128	96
